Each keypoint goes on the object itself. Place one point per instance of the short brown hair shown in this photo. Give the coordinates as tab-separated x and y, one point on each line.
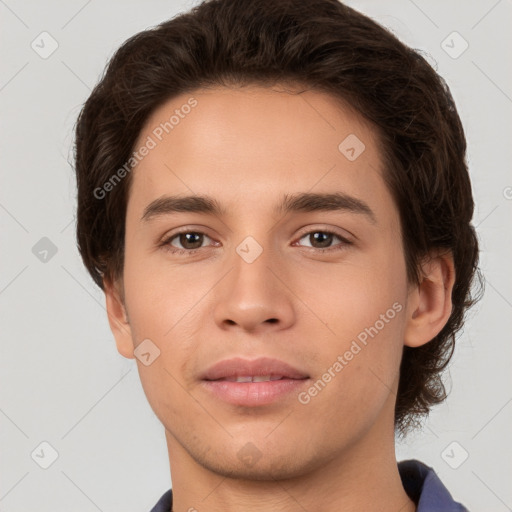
325	46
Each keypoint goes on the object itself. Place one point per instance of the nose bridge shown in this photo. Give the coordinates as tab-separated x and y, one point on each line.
252	274
252	293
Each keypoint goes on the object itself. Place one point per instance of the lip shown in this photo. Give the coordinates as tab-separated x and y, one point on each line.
238	366
250	394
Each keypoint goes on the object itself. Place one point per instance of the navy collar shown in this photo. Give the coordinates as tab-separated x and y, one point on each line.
425	488
420	482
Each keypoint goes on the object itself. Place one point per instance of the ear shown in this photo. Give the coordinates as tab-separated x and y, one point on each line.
118	318
429	304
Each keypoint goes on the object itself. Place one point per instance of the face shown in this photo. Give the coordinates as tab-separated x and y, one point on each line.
295	256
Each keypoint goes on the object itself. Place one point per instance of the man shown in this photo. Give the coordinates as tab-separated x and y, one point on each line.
275	199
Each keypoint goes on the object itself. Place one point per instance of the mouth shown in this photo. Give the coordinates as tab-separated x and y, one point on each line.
251	378
253	383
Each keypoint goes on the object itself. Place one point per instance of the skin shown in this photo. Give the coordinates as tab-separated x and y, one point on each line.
246	147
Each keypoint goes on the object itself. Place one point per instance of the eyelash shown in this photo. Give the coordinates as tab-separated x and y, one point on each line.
166	243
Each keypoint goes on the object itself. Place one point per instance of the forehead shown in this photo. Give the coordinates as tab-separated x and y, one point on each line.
251	144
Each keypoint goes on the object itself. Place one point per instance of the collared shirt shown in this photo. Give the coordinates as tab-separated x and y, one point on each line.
425	488
420	482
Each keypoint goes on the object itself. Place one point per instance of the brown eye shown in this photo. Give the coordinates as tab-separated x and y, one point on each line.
190	240
323	240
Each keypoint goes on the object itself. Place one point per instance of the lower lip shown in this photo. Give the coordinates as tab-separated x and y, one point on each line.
250	394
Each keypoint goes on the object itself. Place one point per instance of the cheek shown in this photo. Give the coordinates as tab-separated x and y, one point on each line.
362	311
163	307
158	294
352	295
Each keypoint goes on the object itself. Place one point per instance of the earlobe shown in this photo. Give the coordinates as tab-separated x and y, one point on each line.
118	319
430	303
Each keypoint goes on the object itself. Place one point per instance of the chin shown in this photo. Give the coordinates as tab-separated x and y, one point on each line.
249	464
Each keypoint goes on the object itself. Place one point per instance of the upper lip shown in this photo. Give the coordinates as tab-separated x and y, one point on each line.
237	367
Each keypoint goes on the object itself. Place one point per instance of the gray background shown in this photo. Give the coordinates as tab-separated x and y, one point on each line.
62	380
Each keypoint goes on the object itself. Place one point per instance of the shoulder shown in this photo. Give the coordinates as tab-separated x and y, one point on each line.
425	488
164	504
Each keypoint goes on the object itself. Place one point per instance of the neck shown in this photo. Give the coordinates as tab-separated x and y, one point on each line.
362	477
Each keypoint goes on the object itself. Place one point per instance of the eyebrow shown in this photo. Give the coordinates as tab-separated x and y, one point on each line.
301	202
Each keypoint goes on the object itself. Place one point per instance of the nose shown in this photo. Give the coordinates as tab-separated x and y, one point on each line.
255	296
